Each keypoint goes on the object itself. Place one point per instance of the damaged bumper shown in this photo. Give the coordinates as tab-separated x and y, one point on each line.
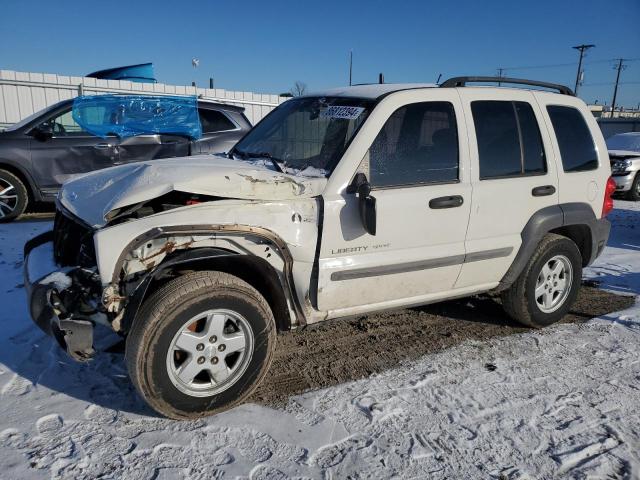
56	298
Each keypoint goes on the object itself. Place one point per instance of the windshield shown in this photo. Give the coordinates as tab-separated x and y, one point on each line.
624	141
307	135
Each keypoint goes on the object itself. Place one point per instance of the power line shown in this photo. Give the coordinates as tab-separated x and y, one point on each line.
555	65
599	84
531	67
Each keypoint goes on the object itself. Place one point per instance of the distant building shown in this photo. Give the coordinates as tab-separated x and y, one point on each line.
604	111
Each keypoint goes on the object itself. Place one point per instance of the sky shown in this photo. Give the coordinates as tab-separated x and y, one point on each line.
267	46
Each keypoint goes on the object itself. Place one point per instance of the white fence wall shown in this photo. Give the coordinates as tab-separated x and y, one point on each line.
23	93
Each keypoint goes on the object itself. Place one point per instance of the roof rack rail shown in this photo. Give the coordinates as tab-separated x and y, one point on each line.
462	81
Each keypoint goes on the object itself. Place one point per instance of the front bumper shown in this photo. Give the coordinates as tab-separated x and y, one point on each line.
624	182
56	298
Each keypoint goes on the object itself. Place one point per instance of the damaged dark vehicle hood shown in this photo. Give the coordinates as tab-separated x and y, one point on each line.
92	196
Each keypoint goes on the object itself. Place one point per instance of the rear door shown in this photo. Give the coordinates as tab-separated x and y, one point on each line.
512	173
219	132
583	159
71	151
417	168
150	147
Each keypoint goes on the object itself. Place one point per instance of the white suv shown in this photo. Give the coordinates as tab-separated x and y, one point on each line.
351	201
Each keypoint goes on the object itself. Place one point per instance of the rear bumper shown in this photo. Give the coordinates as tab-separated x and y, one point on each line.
599	237
50	292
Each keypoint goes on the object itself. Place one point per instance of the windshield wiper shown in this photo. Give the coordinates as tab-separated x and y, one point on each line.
277	163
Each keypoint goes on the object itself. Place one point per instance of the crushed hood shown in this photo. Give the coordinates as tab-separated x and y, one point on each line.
92	196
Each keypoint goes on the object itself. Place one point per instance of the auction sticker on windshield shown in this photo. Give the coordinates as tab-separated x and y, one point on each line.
344	112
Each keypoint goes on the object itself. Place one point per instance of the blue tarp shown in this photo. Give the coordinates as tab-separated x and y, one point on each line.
141	73
131	115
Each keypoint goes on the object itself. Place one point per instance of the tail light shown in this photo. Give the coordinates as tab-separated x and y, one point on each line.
607	205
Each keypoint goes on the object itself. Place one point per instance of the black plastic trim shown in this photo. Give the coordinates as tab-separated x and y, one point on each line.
420	264
554	217
287	282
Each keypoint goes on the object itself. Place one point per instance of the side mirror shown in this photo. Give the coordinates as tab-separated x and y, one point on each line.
366	203
42	132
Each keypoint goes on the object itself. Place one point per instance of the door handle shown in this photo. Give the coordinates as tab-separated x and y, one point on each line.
451	201
102	146
543	191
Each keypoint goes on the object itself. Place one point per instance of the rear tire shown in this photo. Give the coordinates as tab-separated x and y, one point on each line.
549	284
14	196
200	345
634	193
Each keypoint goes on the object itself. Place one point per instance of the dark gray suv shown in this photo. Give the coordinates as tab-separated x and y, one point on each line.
41	152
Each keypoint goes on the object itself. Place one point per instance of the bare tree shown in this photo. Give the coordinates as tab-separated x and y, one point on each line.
299	88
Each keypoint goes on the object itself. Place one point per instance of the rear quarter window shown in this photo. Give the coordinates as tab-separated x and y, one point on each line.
214	121
577	149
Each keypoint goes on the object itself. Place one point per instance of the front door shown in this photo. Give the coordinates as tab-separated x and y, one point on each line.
69	152
417	168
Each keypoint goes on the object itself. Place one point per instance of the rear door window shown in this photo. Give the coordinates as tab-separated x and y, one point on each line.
214	121
509	140
577	148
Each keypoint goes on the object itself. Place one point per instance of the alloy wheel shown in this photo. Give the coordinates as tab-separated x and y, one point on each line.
553	284
8	198
210	352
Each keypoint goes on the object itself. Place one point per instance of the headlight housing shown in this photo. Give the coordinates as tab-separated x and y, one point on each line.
620	166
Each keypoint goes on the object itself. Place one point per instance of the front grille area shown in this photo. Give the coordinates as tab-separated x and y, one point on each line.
72	242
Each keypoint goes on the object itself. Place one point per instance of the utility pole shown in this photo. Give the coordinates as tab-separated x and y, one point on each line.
620	67
500	72
350	65
582	48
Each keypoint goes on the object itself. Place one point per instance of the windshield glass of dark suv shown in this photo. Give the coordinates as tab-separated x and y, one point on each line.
307	135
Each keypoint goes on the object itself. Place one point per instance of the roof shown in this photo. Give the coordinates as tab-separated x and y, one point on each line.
376	90
203	102
372	91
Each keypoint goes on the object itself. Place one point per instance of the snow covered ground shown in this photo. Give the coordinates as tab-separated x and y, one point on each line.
561	402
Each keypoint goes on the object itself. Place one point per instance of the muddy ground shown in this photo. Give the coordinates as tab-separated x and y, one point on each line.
338	351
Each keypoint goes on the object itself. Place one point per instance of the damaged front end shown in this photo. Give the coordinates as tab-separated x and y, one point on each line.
64	298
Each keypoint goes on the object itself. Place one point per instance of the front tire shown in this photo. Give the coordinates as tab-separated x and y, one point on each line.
549	284
200	345
13	196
